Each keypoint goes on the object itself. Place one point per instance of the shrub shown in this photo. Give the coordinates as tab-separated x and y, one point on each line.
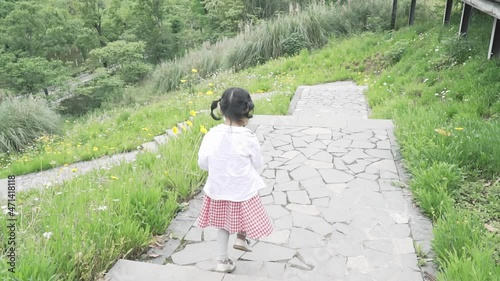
23	121
457	234
100	89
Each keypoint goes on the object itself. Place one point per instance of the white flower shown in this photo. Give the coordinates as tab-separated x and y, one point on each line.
102	208
47	234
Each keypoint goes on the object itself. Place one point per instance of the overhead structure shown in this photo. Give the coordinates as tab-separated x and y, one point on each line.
490	7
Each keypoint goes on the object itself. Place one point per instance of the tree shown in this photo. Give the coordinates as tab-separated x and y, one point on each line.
125	59
31	75
31	29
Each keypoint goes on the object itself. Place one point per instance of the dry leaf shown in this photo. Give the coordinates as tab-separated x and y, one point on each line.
490	228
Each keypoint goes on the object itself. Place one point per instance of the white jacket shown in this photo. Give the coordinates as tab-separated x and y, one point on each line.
232	156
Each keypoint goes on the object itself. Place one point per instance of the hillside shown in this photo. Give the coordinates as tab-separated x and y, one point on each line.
441	92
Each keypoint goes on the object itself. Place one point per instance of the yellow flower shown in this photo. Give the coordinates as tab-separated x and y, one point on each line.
150	135
95	148
114	177
194	70
203	129
183	81
210	93
210	84
443	132
192	113
175	130
65	165
144	129
459	128
74	170
189	123
190	102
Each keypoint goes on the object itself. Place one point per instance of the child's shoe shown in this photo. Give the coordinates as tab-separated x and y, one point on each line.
225	265
242	245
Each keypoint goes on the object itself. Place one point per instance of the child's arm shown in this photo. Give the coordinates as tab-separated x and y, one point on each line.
256	155
203	155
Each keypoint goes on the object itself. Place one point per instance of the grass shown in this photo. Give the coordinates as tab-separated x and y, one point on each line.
445	104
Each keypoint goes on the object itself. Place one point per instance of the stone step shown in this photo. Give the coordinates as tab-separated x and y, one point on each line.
150	147
126	270
161	139
314	121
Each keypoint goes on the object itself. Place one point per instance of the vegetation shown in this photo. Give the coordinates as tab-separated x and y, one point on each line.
441	92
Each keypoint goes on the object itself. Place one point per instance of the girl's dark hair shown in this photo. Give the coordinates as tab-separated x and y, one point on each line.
235	104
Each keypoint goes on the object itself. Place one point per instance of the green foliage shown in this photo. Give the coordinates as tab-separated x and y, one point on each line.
102	88
396	52
457	233
477	266
125	59
31	75
293	44
23	121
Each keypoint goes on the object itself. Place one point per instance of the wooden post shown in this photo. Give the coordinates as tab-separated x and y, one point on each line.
412	12
394	13
464	23
447	11
495	40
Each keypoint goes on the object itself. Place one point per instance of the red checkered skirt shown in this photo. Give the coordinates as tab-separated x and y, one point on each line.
248	216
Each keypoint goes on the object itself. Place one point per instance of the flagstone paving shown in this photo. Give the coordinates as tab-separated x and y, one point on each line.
333	193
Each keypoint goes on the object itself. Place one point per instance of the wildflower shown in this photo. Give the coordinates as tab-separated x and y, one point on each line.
175	130
47	234
459	128
74	170
144	129
203	129
183	81
114	177
443	132
102	208
210	84
192	113
95	148
150	135
189	123
194	70
210	93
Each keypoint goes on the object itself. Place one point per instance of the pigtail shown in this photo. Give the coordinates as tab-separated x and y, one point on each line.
214	105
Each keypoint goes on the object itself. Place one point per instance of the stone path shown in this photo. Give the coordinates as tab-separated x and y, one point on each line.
333	194
61	174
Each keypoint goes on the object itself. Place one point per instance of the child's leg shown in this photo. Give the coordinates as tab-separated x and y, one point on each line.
222	241
242	235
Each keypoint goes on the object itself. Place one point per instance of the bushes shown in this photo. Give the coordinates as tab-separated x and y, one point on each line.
285	35
23	121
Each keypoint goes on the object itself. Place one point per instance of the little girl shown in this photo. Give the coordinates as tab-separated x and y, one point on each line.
231	154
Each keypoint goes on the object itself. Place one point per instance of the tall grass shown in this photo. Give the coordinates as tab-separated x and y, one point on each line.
310	29
23	120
